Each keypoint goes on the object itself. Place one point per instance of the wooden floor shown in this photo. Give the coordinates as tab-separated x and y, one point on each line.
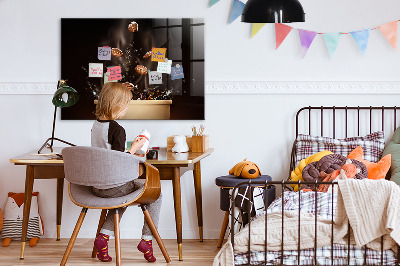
50	252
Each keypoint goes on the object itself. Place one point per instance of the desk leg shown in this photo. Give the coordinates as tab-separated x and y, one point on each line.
27	206
199	204
60	190
176	182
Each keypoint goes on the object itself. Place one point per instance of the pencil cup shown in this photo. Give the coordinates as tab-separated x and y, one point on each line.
200	143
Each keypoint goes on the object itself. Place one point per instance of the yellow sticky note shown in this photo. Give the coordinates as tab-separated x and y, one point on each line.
158	54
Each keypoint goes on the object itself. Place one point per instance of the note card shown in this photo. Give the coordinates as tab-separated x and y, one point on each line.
115	73
95	70
104	53
106	75
158	54
164	67
177	72
155	77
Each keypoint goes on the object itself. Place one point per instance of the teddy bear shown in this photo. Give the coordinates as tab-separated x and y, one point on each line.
180	144
245	169
13	215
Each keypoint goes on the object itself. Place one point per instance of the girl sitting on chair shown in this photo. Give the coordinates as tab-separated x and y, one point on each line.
107	133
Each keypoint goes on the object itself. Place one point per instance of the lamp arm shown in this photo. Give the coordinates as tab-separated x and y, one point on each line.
54	126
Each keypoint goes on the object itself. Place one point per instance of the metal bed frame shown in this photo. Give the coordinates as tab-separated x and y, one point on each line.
284	183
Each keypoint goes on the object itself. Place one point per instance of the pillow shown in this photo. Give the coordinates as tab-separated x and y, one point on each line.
375	170
372	144
296	174
393	148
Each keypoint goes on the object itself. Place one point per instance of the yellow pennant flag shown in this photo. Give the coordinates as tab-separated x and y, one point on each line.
256	28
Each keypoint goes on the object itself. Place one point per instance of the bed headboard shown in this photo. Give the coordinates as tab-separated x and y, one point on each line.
344	121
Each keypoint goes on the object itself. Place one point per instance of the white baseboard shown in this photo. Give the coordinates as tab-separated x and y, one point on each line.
135	233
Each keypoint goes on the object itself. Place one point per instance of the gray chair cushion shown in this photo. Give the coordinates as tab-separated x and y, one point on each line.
83	195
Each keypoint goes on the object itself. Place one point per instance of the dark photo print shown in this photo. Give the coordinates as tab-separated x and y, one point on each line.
160	60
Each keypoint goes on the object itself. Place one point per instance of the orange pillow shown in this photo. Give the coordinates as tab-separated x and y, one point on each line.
375	170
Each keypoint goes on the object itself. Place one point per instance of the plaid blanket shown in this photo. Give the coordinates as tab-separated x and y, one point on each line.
323	205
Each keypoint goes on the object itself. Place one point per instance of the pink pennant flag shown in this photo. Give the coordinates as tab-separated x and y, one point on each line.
281	31
306	39
389	30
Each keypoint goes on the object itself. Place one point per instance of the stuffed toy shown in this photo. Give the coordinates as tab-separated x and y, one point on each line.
245	169
1	219
375	170
180	144
296	174
13	215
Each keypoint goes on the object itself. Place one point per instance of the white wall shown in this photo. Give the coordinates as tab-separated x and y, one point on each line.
259	126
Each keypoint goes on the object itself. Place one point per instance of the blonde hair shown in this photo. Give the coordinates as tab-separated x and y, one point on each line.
113	99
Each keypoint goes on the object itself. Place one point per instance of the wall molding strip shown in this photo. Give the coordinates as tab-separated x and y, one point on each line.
248	87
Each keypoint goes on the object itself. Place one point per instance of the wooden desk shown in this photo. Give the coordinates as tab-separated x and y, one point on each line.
168	163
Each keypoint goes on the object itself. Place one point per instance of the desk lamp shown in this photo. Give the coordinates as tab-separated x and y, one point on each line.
64	96
273	11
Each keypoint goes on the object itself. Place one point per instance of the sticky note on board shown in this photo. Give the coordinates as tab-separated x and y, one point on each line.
104	53
115	73
177	72
158	54
95	70
155	77
164	67
106	75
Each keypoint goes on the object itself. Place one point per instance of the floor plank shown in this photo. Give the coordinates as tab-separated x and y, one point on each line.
49	252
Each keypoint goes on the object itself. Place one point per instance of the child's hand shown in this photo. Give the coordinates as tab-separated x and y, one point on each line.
137	144
142	155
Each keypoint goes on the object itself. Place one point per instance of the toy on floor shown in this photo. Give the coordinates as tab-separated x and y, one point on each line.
245	169
13	215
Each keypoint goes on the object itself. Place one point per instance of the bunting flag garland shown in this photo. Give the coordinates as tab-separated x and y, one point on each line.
237	9
361	37
389	30
332	41
213	2
306	39
281	31
256	28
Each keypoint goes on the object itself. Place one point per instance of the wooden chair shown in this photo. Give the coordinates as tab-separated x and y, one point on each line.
85	167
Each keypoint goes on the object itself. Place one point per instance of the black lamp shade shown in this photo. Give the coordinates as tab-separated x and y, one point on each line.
65	96
273	11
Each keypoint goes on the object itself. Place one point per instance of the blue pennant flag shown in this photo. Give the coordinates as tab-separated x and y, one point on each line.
237	9
332	41
361	37
213	2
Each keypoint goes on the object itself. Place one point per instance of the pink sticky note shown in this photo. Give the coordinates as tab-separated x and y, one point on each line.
115	73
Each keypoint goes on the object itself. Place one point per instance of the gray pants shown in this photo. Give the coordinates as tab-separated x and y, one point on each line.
154	208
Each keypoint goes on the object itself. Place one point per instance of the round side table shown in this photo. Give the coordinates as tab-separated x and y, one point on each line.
226	183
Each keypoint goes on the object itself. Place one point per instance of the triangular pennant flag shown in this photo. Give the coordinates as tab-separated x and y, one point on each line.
389	30
361	37
306	39
237	9
213	2
332	41
281	31
256	28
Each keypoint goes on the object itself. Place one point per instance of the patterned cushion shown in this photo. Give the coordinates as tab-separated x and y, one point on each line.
372	144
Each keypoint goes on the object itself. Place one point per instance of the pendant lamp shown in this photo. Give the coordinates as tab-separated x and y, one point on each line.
65	96
273	11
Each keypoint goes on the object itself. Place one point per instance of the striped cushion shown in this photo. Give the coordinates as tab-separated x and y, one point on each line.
13	228
372	145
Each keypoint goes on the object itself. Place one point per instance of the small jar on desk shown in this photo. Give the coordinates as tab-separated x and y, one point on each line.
226	183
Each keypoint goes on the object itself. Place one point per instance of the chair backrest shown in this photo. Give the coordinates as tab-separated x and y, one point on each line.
91	166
